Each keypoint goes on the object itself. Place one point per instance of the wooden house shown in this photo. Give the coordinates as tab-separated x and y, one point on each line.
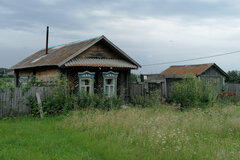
95	65
210	72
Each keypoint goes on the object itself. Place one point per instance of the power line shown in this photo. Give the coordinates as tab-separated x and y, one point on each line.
216	55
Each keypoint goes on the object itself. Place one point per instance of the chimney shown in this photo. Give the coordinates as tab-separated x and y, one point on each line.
47	41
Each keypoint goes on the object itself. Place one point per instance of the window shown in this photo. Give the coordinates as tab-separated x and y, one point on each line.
23	80
110	83
86	82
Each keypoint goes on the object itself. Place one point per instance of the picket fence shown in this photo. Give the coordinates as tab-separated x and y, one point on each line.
14	102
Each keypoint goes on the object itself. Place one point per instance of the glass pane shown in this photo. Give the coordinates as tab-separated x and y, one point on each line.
111	90
109	81
87	81
88	89
106	90
82	82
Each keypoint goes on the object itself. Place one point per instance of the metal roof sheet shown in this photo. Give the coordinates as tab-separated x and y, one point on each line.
61	54
197	69
96	62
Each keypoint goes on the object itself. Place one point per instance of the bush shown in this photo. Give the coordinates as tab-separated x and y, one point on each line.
6	83
147	101
85	100
191	92
141	101
61	99
35	110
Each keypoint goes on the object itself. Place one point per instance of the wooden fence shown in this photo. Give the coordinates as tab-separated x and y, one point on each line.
14	102
140	90
232	88
137	90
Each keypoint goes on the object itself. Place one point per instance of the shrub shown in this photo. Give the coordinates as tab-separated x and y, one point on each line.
59	100
85	100
141	101
6	83
191	92
35	110
150	100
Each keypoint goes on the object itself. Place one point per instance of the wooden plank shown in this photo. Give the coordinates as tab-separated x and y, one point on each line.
14	102
39	104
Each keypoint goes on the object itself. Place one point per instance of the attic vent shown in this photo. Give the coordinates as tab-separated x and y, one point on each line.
96	55
38	59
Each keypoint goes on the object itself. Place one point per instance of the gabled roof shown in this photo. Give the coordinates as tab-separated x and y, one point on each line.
60	55
197	69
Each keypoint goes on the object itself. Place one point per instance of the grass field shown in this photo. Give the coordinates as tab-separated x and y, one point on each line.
158	133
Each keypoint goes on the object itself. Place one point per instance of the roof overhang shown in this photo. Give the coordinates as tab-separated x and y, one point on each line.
96	62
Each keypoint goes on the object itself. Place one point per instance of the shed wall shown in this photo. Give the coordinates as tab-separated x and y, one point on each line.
215	79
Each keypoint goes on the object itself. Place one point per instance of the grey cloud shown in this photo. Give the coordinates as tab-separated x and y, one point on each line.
73	19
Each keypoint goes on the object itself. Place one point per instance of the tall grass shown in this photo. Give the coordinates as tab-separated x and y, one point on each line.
159	132
164	133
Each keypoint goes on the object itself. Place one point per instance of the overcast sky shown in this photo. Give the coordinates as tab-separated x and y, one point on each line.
150	31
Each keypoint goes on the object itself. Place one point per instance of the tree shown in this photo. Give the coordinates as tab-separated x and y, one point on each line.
133	77
234	76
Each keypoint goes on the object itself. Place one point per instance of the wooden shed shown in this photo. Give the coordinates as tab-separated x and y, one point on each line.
164	81
95	65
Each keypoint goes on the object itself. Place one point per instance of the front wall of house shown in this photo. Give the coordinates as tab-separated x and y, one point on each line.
47	75
25	73
122	79
99	50
44	74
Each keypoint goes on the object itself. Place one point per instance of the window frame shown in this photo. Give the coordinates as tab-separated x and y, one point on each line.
113	76
86	75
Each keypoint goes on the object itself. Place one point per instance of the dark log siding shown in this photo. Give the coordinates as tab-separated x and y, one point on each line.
122	80
103	50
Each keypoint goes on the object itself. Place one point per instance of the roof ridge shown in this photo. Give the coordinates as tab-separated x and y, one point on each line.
192	65
73	42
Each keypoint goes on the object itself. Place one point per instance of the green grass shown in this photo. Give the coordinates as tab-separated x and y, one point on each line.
138	133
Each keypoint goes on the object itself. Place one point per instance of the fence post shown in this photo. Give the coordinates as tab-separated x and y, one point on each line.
39	104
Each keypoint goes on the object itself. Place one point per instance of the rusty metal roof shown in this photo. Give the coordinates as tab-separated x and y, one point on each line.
96	62
59	55
196	69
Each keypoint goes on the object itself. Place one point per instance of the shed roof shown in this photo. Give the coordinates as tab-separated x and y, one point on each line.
59	55
196	69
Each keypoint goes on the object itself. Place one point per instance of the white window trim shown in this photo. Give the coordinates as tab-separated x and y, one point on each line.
113	76
86	76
